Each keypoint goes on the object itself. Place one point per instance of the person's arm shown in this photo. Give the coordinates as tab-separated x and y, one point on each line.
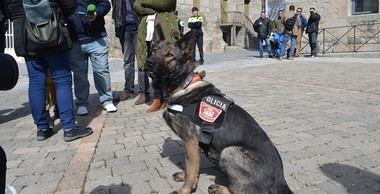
160	5
102	7
68	7
142	11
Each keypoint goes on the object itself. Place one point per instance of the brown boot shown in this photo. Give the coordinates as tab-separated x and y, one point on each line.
141	99
155	106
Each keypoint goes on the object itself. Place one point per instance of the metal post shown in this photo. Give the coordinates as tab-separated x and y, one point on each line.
354	38
323	41
233	34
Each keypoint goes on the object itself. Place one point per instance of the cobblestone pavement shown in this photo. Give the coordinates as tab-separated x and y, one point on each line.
323	115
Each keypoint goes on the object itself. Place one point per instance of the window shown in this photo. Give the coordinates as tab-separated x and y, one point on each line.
360	7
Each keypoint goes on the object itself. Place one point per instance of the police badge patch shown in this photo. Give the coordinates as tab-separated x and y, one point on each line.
208	112
211	107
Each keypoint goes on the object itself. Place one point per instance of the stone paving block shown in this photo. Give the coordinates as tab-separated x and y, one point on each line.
39	188
49	178
91	185
129	151
330	187
98	174
159	185
134	167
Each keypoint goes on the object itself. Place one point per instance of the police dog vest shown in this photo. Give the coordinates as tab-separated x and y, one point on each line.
208	114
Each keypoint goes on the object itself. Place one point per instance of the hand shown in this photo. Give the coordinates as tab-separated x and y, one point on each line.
90	18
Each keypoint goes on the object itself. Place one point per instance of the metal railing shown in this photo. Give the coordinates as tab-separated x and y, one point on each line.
345	39
239	19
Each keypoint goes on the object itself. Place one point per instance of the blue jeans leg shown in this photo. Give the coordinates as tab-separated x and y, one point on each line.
128	42
269	49
98	52
79	66
313	43
58	65
261	46
293	40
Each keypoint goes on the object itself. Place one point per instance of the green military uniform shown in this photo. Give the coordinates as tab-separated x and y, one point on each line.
166	18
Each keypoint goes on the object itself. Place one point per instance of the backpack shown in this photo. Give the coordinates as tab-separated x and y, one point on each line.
42	26
289	23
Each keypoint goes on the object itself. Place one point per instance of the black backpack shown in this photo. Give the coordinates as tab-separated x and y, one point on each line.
42	25
289	23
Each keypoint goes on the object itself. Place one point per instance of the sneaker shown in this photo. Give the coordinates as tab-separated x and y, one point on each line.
82	110
143	98
76	133
44	134
125	95
109	107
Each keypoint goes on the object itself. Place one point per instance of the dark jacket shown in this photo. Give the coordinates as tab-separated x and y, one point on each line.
262	27
313	23
80	29
17	15
123	15
195	23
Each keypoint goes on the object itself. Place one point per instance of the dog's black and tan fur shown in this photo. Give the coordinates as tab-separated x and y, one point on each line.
241	148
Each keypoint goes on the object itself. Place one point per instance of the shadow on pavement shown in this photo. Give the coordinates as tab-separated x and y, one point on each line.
112	189
352	178
13	114
173	149
94	109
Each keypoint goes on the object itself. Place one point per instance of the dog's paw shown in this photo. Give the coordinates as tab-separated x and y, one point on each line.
218	189
179	176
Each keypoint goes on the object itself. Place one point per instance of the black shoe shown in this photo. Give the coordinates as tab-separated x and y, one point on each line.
42	135
76	133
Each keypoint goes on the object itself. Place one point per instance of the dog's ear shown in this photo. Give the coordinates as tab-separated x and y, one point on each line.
187	45
158	36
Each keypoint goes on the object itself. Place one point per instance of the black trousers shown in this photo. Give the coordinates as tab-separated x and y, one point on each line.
3	168
2	40
199	43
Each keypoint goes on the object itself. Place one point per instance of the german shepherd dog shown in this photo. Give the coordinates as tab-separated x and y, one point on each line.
237	144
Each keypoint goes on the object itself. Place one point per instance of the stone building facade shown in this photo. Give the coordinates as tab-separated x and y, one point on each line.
347	25
217	26
229	22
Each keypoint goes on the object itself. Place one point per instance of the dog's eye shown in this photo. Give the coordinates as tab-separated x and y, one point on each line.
170	54
154	50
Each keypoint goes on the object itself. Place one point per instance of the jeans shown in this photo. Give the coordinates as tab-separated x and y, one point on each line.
313	36
261	46
58	65
280	48
128	46
293	40
97	51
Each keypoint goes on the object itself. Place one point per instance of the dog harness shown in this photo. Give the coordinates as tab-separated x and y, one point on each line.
208	114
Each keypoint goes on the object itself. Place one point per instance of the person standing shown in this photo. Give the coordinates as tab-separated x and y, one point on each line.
312	31
149	12
90	42
39	61
195	24
181	24
300	32
278	29
292	26
126	24
262	27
